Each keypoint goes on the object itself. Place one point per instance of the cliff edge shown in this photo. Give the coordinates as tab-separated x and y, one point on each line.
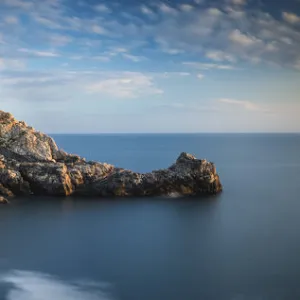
32	164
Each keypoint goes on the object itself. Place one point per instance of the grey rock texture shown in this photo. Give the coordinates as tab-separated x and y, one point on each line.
32	164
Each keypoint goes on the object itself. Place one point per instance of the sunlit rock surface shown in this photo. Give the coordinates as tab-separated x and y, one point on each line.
32	164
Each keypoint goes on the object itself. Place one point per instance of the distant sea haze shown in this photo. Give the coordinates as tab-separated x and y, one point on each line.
240	245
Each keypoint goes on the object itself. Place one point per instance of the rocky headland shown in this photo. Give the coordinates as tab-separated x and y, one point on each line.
32	164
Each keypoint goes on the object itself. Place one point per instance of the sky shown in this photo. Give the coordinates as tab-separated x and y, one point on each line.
136	66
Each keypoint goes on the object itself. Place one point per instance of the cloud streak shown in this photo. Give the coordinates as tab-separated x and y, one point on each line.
246	105
11	64
102	8
29	86
131	85
36	53
291	18
208	66
244	40
239	2
183	108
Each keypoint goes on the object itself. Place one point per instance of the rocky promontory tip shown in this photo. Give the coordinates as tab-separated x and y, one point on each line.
32	164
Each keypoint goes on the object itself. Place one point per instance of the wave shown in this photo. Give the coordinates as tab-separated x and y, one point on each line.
28	285
173	195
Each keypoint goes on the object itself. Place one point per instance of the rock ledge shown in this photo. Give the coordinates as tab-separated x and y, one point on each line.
32	164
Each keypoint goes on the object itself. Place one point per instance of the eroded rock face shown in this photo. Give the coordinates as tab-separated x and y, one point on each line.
31	163
47	178
19	141
3	200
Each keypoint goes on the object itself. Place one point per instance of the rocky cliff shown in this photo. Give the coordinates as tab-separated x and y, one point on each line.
32	164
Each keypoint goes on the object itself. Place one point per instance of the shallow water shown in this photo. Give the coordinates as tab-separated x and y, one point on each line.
242	244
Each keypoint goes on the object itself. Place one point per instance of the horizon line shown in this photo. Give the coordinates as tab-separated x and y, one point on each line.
169	133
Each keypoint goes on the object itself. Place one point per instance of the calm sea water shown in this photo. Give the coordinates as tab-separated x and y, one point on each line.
243	244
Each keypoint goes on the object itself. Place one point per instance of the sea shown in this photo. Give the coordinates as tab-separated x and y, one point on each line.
243	244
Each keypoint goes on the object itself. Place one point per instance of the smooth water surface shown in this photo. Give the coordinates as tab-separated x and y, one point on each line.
242	244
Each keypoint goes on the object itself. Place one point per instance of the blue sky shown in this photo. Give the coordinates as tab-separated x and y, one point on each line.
87	66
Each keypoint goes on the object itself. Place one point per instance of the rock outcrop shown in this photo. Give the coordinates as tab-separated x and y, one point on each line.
3	200
32	164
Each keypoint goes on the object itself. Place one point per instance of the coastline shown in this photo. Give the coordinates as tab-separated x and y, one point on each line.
32	164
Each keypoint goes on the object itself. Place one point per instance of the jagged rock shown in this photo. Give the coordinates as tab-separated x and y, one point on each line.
5	191
31	163
11	180
3	200
47	178
19	141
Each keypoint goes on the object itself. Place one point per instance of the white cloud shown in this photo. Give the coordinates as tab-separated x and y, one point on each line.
24	4
164	47
133	58
291	18
146	10
235	13
171	74
271	47
200	76
101	58
214	12
186	108
206	66
34	79
26	80
218	55
238	37
98	29
172	51
75	23
60	40
239	2
167	9
63	86
117	51
247	105
130	85
102	8
123	52
242	35
222	32
286	40
11	20
186	7
47	22
38	53
76	57
11	64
